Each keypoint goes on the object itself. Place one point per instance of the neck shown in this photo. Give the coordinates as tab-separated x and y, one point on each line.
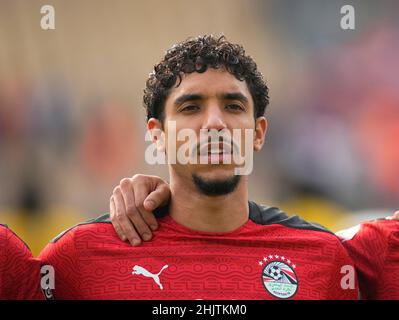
200	212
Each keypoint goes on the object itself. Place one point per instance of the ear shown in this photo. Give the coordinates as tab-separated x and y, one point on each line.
260	133
154	126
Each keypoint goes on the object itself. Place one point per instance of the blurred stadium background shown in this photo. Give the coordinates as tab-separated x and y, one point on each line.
72	123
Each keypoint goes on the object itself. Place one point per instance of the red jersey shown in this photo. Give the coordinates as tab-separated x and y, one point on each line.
19	271
272	256
374	248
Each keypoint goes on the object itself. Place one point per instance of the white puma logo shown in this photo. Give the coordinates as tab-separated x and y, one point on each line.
140	270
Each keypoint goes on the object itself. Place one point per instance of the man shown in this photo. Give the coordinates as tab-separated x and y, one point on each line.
19	271
213	243
373	245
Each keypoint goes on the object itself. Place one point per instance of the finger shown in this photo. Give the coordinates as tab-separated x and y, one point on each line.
159	197
128	195
123	219
134	214
140	194
114	221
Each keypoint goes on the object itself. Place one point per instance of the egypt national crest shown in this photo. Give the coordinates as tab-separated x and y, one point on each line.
278	276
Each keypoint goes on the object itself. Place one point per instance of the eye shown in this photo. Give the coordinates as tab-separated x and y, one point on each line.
189	108
235	107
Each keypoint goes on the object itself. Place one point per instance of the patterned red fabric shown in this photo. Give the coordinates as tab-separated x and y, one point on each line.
253	262
19	271
374	247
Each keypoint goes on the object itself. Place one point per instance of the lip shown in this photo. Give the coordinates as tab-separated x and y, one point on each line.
219	158
222	148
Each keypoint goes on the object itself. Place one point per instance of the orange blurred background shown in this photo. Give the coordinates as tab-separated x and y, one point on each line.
72	123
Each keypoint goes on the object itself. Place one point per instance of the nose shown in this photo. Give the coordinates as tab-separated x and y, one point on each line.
214	119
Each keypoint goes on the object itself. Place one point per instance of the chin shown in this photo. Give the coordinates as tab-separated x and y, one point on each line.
217	173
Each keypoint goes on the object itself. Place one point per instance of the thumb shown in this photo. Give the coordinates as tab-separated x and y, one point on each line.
160	196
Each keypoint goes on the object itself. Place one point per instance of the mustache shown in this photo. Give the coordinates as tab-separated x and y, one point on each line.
224	143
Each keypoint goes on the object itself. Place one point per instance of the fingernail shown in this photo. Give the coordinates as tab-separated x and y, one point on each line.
135	242
153	227
146	236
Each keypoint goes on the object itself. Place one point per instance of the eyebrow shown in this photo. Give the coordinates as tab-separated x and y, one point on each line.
187	97
225	96
235	96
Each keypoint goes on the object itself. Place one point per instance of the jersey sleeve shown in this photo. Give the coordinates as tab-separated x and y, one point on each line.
343	284
374	247
19	270
60	254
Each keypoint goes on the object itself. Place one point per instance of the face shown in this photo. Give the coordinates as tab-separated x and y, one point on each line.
215	100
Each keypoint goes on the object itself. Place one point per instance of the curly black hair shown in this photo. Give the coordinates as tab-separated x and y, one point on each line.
197	54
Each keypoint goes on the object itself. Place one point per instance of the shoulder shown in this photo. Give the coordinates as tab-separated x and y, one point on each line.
85	226
373	245
3	234
72	241
264	215
383	227
10	239
297	229
301	232
380	235
4	230
374	230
